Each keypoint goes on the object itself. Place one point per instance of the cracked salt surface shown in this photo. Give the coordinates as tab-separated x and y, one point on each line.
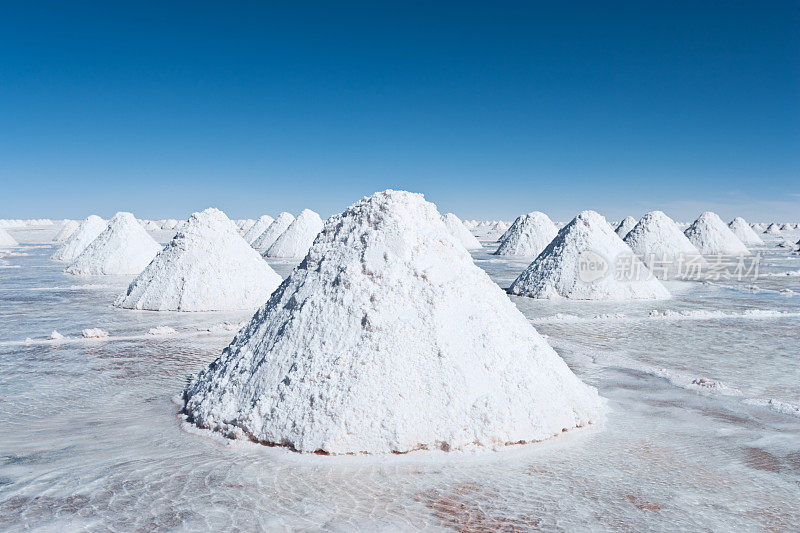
101	443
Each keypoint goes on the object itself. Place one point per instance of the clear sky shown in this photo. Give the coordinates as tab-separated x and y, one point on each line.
491	109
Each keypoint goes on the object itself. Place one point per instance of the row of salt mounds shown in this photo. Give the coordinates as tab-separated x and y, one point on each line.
744	232
460	232
207	266
712	236
89	229
656	235
388	338
627	224
528	235
298	237
271	234
123	249
66	230
555	272
258	228
6	240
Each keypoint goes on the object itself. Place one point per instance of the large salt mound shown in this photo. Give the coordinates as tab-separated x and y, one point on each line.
388	338
528	235
89	229
123	249
298	237
66	230
460	232
625	226
6	240
269	235
712	236
555	273
207	266
744	232
657	236
258	228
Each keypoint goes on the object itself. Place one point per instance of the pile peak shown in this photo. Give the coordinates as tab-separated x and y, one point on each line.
528	235
207	266
656	235
297	238
123	249
625	226
744	232
460	232
87	231
388	338
712	236
273	231
581	263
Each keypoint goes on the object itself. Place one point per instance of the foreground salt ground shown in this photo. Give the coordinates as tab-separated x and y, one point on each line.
101	444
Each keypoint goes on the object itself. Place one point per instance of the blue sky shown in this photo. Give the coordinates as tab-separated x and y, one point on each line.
490	109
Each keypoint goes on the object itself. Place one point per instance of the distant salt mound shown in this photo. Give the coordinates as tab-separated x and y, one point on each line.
207	266
580	263
245	225
170	223
87	231
657	236
528	235
257	229
6	240
66	230
388	338
773	229
123	249
625	226
271	234
149	225
457	229
298	237
712	236
744	232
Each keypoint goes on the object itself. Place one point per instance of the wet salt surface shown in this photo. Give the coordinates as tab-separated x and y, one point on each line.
92	438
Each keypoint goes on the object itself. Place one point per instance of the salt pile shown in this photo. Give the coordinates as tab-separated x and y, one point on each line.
274	231
168	224
625	226
89	229
388	338
123	249
66	230
298	237
257	228
245	225
744	232
773	229
207	266
94	333
528	235
712	236
461	233
580	263
6	240
149	225
657	236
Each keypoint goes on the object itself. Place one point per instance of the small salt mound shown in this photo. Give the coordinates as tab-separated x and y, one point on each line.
257	229
744	232
206	267
773	229
170	223
657	236
149	225
265	240
123	249
712	236
94	333
298	237
66	230
462	234
56	336
625	226
388	338
89	229
528	235
160	331
6	240
580	263
246	225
